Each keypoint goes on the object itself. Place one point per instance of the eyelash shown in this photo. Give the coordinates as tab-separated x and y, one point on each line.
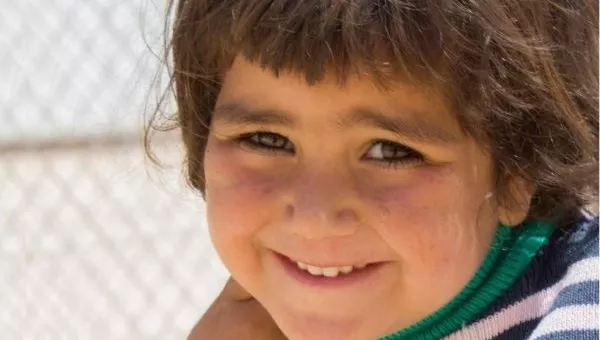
246	140
253	141
410	157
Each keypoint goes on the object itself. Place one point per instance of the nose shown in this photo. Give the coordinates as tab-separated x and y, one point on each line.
322	203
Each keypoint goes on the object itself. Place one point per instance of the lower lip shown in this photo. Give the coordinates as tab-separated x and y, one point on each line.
356	276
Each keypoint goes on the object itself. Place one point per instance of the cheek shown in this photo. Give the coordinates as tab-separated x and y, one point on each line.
237	201
429	218
235	190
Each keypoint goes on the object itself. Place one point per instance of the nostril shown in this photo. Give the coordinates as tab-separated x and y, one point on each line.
289	210
347	216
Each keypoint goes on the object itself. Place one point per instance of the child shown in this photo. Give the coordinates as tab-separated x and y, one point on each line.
394	169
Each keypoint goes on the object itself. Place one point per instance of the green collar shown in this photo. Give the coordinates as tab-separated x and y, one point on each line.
511	252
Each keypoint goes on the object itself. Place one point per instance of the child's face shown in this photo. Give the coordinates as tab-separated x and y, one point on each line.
321	188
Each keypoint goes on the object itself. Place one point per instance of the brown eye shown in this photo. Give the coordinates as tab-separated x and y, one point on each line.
392	154
387	150
271	140
267	141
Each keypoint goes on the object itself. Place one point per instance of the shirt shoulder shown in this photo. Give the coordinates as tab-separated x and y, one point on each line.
557	297
573	301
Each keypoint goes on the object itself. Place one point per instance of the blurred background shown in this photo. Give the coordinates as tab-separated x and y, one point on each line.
96	242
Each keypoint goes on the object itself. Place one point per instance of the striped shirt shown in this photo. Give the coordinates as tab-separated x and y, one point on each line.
557	298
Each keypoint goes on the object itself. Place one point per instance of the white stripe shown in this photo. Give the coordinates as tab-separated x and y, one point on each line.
530	308
576	317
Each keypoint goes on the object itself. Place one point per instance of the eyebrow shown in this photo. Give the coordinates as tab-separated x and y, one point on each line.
238	114
410	126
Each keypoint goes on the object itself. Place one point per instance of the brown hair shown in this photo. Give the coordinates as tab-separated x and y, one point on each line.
522	76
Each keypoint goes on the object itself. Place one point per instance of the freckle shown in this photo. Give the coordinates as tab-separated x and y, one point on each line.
266	190
380	202
381	206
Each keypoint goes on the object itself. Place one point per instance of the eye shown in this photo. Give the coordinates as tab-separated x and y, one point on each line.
392	154
266	141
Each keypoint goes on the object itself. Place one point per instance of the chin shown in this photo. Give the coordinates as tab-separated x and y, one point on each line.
311	327
327	334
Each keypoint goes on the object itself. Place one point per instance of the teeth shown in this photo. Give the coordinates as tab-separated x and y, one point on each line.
346	269
328	271
315	270
331	271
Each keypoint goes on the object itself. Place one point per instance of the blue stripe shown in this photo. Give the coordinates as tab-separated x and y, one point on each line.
583	293
593	334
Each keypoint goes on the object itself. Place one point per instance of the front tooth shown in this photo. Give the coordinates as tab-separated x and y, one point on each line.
331	271
314	270
346	269
301	265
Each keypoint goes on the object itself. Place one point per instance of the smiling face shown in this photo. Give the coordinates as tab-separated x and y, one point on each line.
346	176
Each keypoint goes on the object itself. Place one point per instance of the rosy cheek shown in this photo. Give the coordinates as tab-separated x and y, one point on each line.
236	192
237	208
420	214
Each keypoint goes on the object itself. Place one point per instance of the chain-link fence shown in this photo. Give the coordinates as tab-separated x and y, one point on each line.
94	242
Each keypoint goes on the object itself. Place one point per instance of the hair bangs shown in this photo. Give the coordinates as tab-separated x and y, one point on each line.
382	40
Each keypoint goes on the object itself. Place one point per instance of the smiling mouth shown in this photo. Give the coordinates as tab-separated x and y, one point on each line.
332	271
330	276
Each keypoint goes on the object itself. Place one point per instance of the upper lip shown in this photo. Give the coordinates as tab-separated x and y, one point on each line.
325	264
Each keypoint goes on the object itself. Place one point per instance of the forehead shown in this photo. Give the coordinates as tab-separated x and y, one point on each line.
258	88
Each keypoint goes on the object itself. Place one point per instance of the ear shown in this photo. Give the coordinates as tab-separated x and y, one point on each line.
514	206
